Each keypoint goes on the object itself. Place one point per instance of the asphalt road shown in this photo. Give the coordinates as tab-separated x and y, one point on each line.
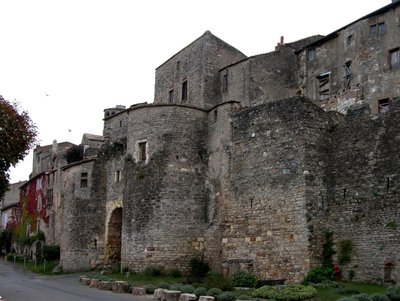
17	284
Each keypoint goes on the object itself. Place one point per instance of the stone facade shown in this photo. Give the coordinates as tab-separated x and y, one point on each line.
249	161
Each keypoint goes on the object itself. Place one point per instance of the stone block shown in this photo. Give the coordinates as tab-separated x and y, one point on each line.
170	295
85	280
120	287
158	293
94	282
104	285
188	297
139	291
206	298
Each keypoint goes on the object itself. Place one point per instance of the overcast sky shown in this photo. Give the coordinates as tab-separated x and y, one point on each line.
66	61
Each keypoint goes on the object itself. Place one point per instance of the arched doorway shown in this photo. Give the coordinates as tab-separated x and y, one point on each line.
114	235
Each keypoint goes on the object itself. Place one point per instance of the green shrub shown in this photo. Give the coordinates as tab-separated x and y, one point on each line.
327	250
393	292
379	297
175	273
149	289
214	292
152	270
325	284
5	241
347	291
51	252
346	299
243	279
361	297
176	287
244	297
199	266
164	285
285	292
200	291
345	251
214	279
226	296
318	275
187	289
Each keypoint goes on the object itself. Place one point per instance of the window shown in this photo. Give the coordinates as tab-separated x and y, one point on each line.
84	180
120	123
349	40
225	82
142	151
171	96
178	65
118	176
377	26
311	54
395	58
184	91
215	115
383	105
324	85
347	74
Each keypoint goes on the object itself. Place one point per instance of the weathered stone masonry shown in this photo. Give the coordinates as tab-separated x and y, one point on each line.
250	161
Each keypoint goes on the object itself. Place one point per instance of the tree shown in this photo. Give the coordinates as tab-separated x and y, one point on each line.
74	153
17	136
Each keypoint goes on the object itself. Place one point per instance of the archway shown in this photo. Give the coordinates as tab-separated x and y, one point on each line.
114	235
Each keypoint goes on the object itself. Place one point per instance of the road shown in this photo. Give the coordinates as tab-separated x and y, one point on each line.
17	284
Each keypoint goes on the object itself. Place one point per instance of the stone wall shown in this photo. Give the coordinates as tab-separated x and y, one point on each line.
362	197
164	200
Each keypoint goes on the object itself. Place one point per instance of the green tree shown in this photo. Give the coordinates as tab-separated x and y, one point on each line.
17	136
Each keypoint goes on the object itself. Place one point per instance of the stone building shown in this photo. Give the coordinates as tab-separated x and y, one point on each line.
250	161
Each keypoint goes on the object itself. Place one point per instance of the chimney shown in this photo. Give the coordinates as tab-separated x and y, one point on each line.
55	146
282	40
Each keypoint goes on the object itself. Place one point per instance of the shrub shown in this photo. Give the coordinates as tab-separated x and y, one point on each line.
176	287
175	273
379	297
164	285
198	266
51	252
187	289
215	279
244	297
361	297
346	299
200	291
318	275
345	251
243	279
214	292
149	289
325	284
347	291
285	292
5	241
226	296
152	270
327	250
393	293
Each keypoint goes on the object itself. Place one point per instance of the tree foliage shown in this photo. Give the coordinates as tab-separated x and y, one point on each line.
74	154
17	136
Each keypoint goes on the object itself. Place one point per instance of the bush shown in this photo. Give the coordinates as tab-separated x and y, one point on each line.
200	291
149	289
51	252
346	299
347	291
243	279
214	292
379	297
5	241
285	292
164	285
318	275
393	293
176	287
244	297
175	273
361	297
187	289
226	296
325	284
198	266
215	279
152	270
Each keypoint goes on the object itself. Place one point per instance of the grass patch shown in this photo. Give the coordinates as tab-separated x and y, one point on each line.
40	267
331	294
139	279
